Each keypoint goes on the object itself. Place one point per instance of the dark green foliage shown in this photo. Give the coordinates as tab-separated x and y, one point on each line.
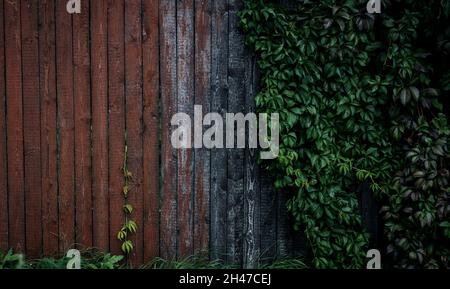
360	99
90	259
10	260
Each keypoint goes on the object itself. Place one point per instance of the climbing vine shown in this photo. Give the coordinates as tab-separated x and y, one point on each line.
361	100
129	226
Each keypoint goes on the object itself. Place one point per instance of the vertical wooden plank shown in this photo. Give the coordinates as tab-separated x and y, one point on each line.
3	163
82	118
49	157
202	97
289	242
268	221
116	128
99	74
236	104
252	201
31	127
66	171
168	74
185	76
283	243
13	51
150	58
219	96
133	82
369	214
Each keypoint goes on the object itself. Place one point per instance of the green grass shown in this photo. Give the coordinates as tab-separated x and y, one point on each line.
94	259
187	263
202	263
91	259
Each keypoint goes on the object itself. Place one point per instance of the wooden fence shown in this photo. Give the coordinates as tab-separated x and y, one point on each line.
75	89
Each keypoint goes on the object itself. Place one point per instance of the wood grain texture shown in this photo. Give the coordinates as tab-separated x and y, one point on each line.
252	189
283	244
236	104
31	127
3	150
268	218
185	104
219	101
168	74
14	111
290	243
116	127
49	153
202	162
74	89
82	119
99	73
134	125
66	126
150	56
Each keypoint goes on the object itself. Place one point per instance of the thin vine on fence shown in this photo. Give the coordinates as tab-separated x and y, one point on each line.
129	226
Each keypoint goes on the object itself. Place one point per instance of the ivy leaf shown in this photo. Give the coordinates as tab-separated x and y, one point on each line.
122	235
128	208
405	96
127	247
419	174
415	92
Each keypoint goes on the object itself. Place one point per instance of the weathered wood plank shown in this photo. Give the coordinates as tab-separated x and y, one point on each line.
236	104
3	150
49	153
116	128
150	54
252	189
202	97
133	90
290	243
168	74
31	127
219	95
369	214
268	221
14	111
99	73
185	89
66	168
283	242
82	119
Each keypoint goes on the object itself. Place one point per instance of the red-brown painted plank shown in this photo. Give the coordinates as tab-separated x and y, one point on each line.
202	97
82	118
31	127
99	50
49	157
3	164
133	90
13	50
185	76
168	74
66	168
116	131
150	60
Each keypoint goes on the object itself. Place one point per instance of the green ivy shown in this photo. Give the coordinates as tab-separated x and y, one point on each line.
359	98
129	227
